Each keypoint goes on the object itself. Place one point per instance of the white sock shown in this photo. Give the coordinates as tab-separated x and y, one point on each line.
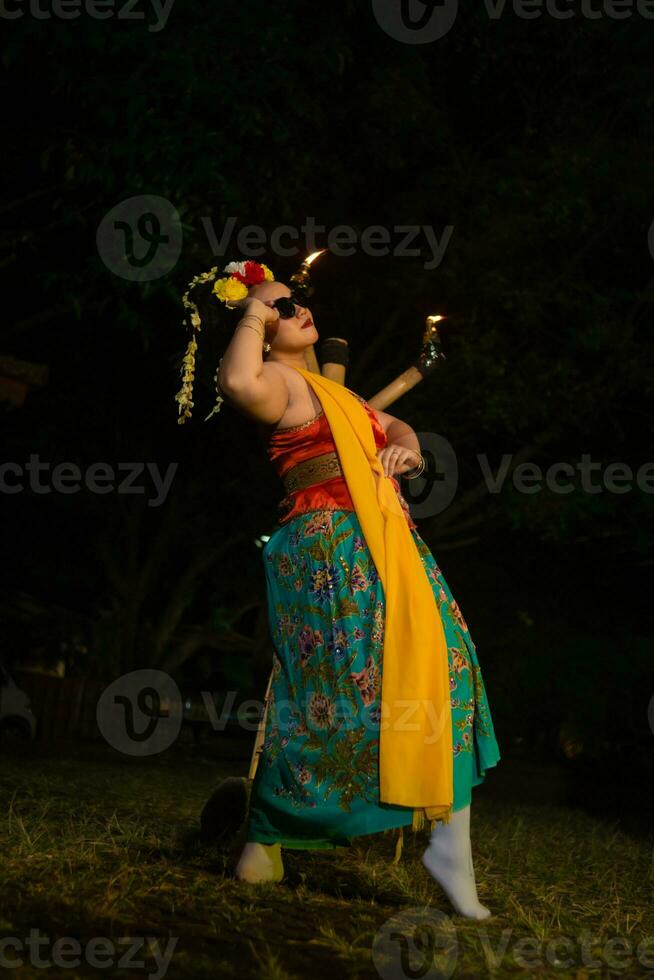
260	862
448	859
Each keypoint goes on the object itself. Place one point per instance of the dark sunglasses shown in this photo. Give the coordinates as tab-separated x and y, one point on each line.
286	306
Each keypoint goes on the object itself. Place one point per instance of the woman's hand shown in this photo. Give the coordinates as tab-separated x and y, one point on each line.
252	305
397	459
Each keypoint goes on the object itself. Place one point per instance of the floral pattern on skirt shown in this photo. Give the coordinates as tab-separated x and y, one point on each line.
317	779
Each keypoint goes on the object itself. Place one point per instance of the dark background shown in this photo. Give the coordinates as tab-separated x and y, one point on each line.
534	139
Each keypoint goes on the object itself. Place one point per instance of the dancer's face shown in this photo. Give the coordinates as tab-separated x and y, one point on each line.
290	336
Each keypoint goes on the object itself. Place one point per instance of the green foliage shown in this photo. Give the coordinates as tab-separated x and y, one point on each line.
533	139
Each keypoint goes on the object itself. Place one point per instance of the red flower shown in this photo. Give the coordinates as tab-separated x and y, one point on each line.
254	274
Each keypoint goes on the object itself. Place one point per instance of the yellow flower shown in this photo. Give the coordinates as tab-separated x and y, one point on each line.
229	290
267	273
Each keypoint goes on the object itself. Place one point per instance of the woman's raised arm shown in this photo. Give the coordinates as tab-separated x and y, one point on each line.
258	388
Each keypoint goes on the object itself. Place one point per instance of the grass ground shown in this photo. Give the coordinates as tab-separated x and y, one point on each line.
98	845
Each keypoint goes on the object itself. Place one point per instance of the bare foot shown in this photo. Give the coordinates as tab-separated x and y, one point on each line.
260	862
456	878
448	859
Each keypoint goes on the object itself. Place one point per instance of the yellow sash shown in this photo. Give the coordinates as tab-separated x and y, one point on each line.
415	740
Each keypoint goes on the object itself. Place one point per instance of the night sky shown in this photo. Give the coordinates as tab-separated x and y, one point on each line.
498	173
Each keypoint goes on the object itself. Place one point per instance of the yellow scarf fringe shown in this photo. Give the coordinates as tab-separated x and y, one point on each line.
415	741
417	824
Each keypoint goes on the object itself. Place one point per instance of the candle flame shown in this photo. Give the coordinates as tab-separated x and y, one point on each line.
435	318
314	255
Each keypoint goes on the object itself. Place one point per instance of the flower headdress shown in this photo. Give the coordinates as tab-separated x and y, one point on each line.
229	289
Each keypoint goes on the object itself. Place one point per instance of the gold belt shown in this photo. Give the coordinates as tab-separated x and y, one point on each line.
311	471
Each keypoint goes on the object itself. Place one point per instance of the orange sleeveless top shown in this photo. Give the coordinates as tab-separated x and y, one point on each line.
293	444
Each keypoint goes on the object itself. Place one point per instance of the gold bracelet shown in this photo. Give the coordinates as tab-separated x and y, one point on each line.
256	316
262	337
421	464
412	476
253	316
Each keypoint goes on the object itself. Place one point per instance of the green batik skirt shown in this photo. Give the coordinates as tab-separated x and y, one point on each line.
317	779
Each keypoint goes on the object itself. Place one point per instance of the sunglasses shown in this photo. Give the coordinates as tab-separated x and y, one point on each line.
287	307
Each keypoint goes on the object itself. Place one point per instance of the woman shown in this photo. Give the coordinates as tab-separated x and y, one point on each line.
317	780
